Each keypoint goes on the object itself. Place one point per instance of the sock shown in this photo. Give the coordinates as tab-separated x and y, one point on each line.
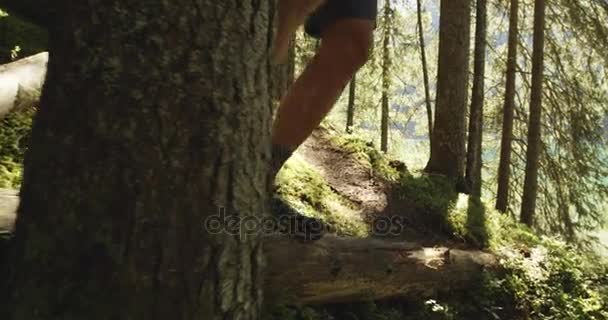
280	154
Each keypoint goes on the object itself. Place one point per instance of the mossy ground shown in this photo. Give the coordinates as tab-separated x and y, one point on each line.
308	192
367	154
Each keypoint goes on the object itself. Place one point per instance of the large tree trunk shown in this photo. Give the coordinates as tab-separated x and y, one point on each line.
21	82
528	205
504	167
449	133
153	116
386	80
425	72
350	109
474	151
334	269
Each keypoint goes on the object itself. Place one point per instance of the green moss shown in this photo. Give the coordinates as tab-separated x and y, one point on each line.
308	192
427	201
14	133
367	154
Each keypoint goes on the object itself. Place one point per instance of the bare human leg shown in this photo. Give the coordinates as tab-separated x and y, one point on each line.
344	49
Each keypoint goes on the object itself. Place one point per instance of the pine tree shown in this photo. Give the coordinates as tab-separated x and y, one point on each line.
147	125
528	206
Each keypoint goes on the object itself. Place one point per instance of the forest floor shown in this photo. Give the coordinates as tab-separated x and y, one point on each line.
346	174
357	191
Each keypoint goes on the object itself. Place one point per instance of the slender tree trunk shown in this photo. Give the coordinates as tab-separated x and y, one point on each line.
504	168
386	81
350	111
425	72
448	150
528	205
148	124
474	151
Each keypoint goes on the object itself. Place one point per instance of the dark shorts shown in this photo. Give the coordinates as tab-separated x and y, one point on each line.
334	10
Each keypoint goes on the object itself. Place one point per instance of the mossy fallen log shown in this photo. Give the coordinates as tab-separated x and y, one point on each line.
336	269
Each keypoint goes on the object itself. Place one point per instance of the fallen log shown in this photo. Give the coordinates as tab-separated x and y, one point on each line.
21	82
336	269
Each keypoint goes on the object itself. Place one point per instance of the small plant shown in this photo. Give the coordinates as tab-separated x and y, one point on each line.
15	52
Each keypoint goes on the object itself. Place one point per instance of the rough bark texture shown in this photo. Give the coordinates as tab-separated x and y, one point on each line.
448	149
21	82
504	167
528	205
350	111
474	151
386	81
335	270
425	71
152	117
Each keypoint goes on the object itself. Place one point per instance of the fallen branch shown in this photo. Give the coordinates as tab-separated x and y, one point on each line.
336	269
21	82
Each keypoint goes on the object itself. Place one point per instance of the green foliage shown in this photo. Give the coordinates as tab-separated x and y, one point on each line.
549	281
14	132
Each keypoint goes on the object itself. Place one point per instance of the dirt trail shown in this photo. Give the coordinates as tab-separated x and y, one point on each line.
346	175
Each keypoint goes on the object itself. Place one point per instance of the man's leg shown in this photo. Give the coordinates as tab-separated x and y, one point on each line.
344	49
292	14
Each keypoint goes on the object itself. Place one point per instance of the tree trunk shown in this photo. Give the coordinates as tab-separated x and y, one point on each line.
425	72
21	82
350	111
386	80
504	167
154	115
528	205
334	270
474	151
448	150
